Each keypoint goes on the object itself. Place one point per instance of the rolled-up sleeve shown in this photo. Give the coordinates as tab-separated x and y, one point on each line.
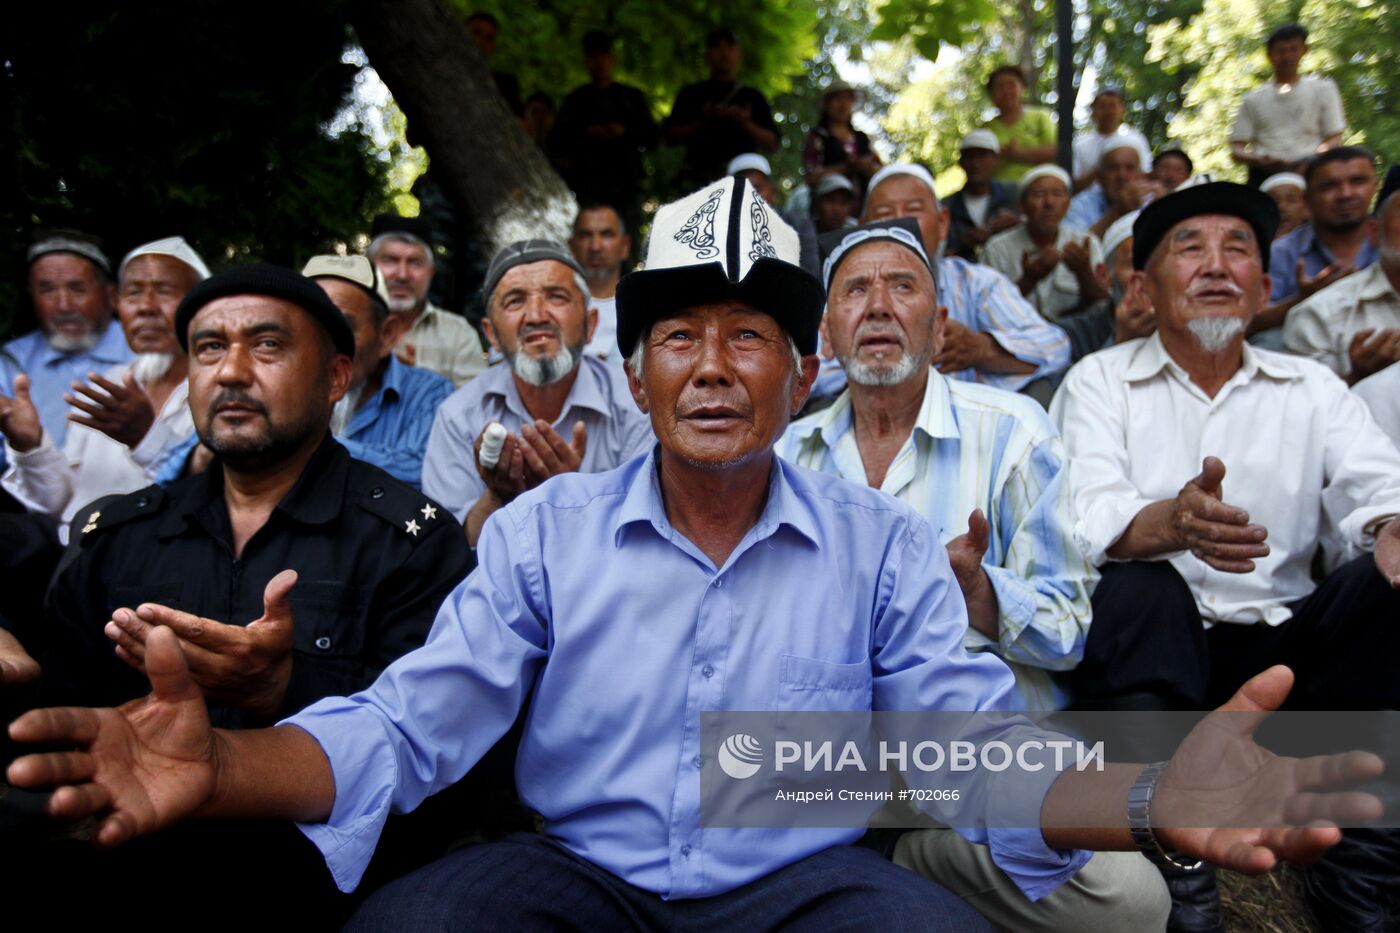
1363	470
434	712
1019	329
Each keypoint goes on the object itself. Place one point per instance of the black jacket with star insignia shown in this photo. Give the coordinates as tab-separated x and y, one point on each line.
374	557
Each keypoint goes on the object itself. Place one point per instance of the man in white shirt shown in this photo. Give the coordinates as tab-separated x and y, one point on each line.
434	339
1381	393
1353	326
1293	117
1206	578
128	420
601	244
1107	113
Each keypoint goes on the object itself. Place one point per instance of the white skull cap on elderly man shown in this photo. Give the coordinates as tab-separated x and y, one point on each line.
174	247
724	242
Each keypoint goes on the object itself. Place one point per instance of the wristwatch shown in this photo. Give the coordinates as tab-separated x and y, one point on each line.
1140	819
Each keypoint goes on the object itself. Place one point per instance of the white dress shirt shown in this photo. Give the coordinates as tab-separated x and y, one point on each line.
90	465
1088	148
1322	327
1381	393
1302	455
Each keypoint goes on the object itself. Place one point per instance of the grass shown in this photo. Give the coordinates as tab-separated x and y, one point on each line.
1271	903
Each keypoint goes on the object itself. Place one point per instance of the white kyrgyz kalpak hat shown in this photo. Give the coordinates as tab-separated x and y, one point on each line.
724	242
173	246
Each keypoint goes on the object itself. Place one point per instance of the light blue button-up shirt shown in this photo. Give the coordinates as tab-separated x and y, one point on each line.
390	430
617	429
625	632
1087	207
975	447
52	373
1303	244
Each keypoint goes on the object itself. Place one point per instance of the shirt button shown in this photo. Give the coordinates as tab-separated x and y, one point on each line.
685	850
697	761
708	671
324	643
718	583
377	492
142	502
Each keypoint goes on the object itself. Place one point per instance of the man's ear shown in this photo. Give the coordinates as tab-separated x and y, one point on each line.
590	321
802	385
940	326
342	370
391	330
490	332
827	351
639	390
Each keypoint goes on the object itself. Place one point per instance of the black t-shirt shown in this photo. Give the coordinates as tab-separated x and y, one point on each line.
707	154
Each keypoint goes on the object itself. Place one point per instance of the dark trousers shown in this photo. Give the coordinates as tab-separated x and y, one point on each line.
527	882
1147	648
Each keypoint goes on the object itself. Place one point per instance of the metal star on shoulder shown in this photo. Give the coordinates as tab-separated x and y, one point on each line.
429	511
412	527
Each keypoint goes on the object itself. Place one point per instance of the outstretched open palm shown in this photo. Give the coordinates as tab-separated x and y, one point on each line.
147	764
1261	808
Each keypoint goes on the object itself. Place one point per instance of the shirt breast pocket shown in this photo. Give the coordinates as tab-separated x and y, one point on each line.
814	684
330	618
129	597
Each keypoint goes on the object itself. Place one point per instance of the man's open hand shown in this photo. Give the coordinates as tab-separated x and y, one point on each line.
19	419
248	666
1219	534
122	411
148	764
1371	351
16	666
1264	808
547	454
962	349
1309	284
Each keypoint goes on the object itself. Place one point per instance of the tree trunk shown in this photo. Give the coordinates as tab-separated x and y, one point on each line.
479	151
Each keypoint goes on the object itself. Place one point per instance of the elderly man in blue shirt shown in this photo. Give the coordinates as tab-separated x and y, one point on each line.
70	285
386	414
704	575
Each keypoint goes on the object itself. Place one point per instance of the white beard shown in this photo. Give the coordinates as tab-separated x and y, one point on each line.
546	370
884	374
151	367
344	409
1214	334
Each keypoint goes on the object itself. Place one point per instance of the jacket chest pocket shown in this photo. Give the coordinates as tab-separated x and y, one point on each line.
815	684
329	618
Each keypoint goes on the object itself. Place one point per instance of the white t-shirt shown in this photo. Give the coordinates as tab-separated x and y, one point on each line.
1291	121
1088	148
977	207
604	342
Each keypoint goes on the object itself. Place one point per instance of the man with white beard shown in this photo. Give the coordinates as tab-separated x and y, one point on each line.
129	419
564	410
1205	584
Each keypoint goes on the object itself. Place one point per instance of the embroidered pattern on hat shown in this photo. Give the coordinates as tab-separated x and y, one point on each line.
762	244
699	231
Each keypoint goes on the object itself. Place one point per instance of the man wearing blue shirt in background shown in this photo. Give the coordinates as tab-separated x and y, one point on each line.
705	575
70	284
385	416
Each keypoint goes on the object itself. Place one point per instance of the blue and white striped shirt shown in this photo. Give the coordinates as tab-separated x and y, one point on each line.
975	447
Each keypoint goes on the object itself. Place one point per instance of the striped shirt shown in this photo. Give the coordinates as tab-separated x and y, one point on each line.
979	448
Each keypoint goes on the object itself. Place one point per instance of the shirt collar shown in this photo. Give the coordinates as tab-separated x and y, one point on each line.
1150	358
316	498
109	350
643	503
586	392
1372	284
394	375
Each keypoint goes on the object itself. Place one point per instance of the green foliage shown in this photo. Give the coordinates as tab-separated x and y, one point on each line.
930	25
204	118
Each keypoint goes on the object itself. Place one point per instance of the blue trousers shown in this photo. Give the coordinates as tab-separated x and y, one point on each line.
527	882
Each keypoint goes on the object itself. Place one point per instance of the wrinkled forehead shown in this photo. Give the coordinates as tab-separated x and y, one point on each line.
902	192
729	311
881	258
239	314
155	267
1209	228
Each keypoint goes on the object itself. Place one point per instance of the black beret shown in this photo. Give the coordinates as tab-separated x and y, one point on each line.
274	282
416	227
1215	197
